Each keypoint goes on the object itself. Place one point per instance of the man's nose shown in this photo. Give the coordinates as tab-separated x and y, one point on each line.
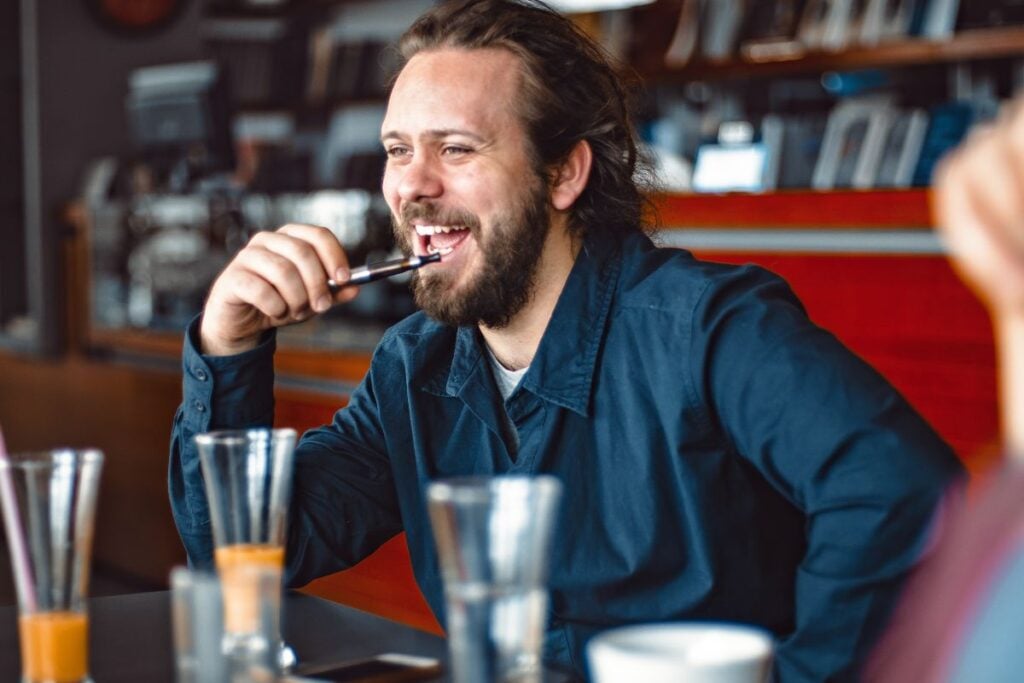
420	180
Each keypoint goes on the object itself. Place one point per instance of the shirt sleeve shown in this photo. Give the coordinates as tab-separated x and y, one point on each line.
218	392
838	442
343	502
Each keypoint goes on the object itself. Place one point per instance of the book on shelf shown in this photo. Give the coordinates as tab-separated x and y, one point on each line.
989	13
948	123
834	25
853	143
769	30
852	26
887	20
802	137
815	21
685	39
773	130
720	28
902	149
940	18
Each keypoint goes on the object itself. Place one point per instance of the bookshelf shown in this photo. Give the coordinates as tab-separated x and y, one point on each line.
931	79
976	44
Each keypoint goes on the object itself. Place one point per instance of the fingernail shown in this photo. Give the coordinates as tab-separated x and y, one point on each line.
341	275
322	304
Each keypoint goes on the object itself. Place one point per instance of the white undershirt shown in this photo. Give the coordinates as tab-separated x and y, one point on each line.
507	380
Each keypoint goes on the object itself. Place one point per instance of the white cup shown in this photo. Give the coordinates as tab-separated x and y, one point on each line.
681	653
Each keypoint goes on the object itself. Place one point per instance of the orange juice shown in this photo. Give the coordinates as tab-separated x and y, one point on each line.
53	646
236	565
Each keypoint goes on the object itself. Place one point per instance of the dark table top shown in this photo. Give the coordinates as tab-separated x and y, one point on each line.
130	636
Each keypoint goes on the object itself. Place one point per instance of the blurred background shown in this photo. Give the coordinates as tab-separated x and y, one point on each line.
143	142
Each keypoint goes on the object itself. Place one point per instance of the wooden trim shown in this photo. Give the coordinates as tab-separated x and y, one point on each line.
133	340
967	45
799	209
334	364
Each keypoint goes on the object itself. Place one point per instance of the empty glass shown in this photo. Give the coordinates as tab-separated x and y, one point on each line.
493	538
49	505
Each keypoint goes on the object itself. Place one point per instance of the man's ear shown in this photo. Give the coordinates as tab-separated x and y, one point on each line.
571	177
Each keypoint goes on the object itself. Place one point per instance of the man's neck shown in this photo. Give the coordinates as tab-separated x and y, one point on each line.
515	344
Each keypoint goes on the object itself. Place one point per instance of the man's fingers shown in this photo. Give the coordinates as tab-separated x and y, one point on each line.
329	251
280	273
279	278
307	263
253	290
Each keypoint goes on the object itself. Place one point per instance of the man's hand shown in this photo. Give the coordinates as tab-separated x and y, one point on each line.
279	278
979	202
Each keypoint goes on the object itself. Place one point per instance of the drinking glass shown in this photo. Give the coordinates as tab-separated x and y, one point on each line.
696	652
49	506
197	627
248	479
197	616
493	538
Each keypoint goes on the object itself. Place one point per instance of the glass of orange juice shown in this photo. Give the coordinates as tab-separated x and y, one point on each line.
49	505
248	476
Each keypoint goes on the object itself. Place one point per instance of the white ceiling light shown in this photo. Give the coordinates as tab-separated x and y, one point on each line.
572	6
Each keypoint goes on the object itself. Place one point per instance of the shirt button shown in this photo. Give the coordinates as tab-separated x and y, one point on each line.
200	374
198	405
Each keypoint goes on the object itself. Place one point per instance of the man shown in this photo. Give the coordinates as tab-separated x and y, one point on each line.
722	457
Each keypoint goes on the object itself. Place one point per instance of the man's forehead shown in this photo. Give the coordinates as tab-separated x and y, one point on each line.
483	62
451	88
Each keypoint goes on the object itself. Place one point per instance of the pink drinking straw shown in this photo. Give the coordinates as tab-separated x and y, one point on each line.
19	555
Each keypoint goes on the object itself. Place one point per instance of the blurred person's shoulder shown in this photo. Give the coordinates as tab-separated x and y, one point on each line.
961	614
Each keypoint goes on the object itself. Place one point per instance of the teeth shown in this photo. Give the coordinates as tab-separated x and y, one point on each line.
431	249
428	230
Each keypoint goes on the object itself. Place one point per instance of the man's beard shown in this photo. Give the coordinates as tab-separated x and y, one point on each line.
511	254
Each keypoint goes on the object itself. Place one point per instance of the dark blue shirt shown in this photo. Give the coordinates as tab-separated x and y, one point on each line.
722	457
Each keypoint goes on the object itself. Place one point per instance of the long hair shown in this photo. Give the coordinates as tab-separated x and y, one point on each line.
571	92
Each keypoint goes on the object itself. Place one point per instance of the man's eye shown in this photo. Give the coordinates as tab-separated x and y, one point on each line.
455	150
397	151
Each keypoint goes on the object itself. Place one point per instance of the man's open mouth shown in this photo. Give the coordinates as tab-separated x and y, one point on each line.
444	238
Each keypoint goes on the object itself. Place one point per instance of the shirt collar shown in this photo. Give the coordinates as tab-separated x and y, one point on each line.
562	371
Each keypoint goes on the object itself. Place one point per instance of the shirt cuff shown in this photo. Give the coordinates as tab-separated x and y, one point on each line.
227	391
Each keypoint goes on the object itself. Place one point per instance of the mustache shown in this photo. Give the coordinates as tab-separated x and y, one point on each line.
433	214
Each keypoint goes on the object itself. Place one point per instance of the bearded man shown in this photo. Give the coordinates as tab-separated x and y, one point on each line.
722	457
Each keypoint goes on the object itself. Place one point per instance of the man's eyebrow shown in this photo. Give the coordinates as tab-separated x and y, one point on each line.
436	134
